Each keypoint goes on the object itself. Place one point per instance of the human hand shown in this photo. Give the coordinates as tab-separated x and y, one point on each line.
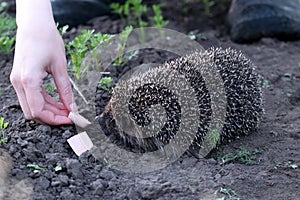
40	51
38	54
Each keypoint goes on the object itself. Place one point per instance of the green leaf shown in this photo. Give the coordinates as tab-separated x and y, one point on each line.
81	45
3	6
242	156
192	37
126	9
63	30
3	140
125	33
158	20
1	122
8	29
5	125
294	166
202	36
288	75
104	83
228	192
266	84
35	167
58	168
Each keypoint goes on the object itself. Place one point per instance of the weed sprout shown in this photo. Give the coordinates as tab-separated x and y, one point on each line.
3	126
8	29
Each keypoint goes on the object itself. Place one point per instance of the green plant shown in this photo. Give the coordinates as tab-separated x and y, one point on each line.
230	194
121	46
104	83
285	165
242	156
8	29
62	30
288	75
184	7
288	94
57	168
3	6
192	36
202	36
293	166
50	89
158	20
7	44
3	126
214	137
78	48
36	168
207	6
266	84
132	54
133	11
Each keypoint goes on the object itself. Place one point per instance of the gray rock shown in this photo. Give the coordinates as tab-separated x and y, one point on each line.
44	129
33	154
75	12
67	134
251	20
61	180
133	194
42	183
52	158
98	187
66	194
22	143
74	168
106	174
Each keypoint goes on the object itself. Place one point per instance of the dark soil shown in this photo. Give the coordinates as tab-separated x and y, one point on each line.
273	175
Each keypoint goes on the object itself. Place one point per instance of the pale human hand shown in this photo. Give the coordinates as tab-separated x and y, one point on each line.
40	51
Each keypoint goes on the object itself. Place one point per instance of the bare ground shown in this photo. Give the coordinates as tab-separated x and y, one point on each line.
274	176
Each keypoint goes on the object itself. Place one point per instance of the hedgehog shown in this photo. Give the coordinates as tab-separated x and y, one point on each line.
172	103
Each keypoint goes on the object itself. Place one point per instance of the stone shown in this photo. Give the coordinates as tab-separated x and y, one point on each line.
252	20
98	187
75	12
74	168
42	183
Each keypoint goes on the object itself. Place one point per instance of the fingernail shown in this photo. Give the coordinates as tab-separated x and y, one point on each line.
73	107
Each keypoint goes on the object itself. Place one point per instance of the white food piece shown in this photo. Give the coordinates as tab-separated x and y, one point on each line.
79	120
80	143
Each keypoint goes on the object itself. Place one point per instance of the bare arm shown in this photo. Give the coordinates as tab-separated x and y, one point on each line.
40	51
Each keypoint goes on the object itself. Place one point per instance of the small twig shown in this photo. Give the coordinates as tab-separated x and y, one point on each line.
78	91
104	72
107	109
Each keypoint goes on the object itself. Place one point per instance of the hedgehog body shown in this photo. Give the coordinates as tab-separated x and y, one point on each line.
182	103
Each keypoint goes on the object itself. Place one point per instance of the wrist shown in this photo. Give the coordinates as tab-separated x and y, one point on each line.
34	13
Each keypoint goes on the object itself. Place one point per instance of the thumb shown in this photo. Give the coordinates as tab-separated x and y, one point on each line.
63	85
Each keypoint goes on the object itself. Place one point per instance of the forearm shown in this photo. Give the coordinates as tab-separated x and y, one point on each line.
33	13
